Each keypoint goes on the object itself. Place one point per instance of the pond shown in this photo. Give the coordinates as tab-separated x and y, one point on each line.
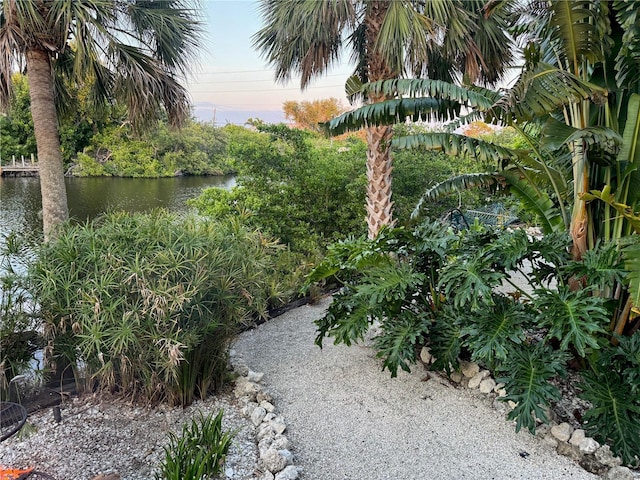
20	200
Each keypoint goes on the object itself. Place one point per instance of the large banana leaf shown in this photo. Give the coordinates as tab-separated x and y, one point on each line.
630	151
536	202
457	144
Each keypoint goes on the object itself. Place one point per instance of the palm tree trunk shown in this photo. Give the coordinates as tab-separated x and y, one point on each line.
45	126
379	161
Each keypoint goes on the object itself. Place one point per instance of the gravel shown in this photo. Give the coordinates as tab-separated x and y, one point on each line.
105	435
350	420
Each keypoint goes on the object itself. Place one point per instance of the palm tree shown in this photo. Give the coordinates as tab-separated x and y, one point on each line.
126	50
385	39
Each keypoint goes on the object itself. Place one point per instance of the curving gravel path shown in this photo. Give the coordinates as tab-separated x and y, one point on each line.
349	420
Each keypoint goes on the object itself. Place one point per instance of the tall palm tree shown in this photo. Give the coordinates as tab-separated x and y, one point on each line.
127	50
385	39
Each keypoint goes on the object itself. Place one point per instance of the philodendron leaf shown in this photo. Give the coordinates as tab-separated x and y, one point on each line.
574	317
527	375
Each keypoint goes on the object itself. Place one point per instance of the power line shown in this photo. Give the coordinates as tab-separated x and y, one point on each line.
265	89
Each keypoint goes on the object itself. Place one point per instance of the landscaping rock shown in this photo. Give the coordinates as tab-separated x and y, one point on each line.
469	369
245	388
255	376
288	456
280	442
267	476
263	396
268	406
278	425
588	445
474	382
425	355
289	473
591	464
487	385
577	437
570	451
605	457
550	441
273	461
619	473
258	415
562	432
456	377
265	431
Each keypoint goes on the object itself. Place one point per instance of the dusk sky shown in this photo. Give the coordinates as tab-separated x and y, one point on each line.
234	82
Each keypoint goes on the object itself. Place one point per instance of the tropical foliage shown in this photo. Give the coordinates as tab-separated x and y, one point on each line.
146	305
308	192
458	294
196	149
385	40
132	51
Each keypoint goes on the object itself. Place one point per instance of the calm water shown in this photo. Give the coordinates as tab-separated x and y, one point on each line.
20	202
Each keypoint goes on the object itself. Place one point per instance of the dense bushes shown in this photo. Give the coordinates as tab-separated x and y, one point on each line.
146	305
308	191
444	289
197	149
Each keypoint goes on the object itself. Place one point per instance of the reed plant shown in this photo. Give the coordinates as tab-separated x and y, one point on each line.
146	305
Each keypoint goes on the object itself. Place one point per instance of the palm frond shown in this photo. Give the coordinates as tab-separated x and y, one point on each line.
456	184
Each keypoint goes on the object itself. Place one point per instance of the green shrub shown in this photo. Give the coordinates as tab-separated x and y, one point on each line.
199	452
146	305
434	287
18	338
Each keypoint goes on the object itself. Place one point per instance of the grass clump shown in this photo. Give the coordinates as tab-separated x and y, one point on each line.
198	452
146	305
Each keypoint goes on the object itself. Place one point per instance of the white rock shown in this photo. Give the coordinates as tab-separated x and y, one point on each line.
255	376
278	425
288	456
244	388
469	369
425	355
502	392
289	473
280	442
487	385
268	406
588	445
562	432
273	461
258	415
267	476
265	444
498	387
265	431
550	441
248	409
619	473
241	369
477	378
456	377
263	396
577	437
228	472
268	417
605	457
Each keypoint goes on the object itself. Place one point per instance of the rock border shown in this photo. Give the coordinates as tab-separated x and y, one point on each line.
275	458
566	440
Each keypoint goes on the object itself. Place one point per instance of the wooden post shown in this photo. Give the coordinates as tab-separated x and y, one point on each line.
32	161
22	156
13	158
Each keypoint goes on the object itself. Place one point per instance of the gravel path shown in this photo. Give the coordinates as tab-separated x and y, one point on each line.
349	420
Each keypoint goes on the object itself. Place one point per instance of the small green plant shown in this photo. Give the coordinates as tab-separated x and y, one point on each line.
199	452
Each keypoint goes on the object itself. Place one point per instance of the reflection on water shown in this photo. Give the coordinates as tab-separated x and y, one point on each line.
20	201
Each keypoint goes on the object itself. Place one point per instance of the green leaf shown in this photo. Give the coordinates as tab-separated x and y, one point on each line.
399	338
576	318
491	334
527	374
615	416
